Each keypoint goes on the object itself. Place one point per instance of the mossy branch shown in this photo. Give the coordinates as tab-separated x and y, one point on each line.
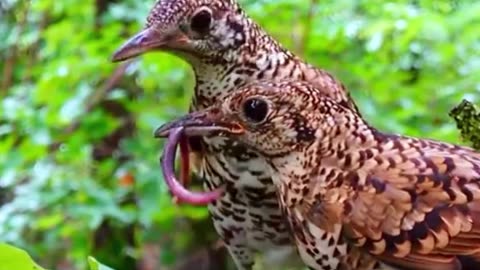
468	122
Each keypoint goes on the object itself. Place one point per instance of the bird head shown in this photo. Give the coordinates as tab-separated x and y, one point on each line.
274	118
199	28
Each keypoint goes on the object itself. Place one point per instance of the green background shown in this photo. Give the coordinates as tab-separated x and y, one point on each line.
78	161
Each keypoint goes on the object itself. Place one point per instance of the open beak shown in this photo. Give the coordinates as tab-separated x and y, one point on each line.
147	40
201	123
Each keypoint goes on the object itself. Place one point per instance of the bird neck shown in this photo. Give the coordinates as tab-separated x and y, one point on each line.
261	57
337	151
289	172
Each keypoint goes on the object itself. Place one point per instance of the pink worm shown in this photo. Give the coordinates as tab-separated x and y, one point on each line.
167	162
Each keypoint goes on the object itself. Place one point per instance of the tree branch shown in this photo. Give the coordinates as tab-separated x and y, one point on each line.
95	98
7	76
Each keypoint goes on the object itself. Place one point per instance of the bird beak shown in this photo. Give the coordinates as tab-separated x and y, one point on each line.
147	40
202	123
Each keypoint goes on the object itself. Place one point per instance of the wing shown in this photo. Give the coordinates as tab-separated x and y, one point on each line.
417	204
318	229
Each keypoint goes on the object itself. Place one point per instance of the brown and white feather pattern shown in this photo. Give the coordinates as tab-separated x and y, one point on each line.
357	198
247	217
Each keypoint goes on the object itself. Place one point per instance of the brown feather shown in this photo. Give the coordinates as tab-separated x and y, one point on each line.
425	262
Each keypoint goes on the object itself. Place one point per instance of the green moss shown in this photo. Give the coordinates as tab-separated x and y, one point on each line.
468	122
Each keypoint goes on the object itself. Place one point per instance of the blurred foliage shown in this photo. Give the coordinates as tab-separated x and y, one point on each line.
79	168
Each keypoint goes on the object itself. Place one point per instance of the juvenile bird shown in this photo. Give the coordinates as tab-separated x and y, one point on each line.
355	197
227	50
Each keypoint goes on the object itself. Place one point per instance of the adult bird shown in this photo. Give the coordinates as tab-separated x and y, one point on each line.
227	49
355	197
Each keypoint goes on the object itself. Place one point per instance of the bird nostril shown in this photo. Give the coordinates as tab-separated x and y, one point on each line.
142	39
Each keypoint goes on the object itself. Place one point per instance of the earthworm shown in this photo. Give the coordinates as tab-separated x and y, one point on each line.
167	162
185	165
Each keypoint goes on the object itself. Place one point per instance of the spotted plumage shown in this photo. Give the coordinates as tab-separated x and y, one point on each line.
228	50
355	197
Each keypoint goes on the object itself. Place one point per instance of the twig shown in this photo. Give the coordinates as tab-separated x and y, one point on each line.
7	76
95	98
34	48
307	29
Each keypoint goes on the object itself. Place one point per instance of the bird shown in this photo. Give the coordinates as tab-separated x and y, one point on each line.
355	197
228	50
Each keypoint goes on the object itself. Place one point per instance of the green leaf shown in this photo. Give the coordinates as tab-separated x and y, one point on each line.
15	258
95	265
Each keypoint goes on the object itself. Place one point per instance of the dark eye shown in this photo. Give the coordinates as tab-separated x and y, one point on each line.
255	109
201	21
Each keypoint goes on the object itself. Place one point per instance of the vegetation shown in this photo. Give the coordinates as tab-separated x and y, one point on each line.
79	172
468	122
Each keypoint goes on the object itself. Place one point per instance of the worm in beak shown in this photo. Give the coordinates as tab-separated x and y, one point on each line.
194	124
182	194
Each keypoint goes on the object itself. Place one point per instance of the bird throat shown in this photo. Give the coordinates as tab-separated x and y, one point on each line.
219	74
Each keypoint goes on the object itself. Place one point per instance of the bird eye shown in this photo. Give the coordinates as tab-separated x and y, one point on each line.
200	22
255	110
